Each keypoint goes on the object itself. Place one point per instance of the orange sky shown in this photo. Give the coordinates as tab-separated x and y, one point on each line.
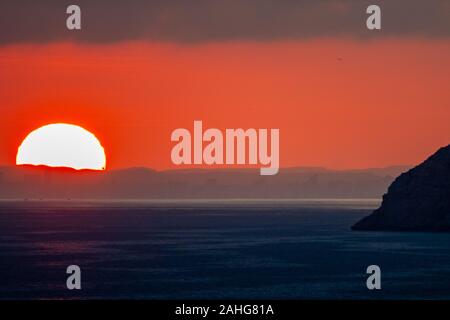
338	103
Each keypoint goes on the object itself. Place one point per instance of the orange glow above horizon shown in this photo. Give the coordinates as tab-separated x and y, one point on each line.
62	145
339	103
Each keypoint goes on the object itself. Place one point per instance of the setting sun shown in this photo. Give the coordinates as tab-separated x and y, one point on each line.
62	145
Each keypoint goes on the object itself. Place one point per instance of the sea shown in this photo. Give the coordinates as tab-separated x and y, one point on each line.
213	249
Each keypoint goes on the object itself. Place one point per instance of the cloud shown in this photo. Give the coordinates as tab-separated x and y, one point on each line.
184	21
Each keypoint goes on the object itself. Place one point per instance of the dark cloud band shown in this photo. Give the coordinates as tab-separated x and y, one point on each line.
106	21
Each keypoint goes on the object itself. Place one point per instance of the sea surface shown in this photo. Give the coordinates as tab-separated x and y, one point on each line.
213	249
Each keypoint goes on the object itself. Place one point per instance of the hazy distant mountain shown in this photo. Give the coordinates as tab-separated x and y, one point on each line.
142	183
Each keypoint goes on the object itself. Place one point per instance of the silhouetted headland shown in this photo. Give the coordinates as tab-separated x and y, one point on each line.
418	200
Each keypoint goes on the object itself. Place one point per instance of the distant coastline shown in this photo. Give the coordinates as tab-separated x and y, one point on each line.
305	183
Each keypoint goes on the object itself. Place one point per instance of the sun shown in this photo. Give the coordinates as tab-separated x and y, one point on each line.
62	145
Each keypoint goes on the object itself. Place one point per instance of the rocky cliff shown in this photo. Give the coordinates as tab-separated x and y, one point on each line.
418	200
